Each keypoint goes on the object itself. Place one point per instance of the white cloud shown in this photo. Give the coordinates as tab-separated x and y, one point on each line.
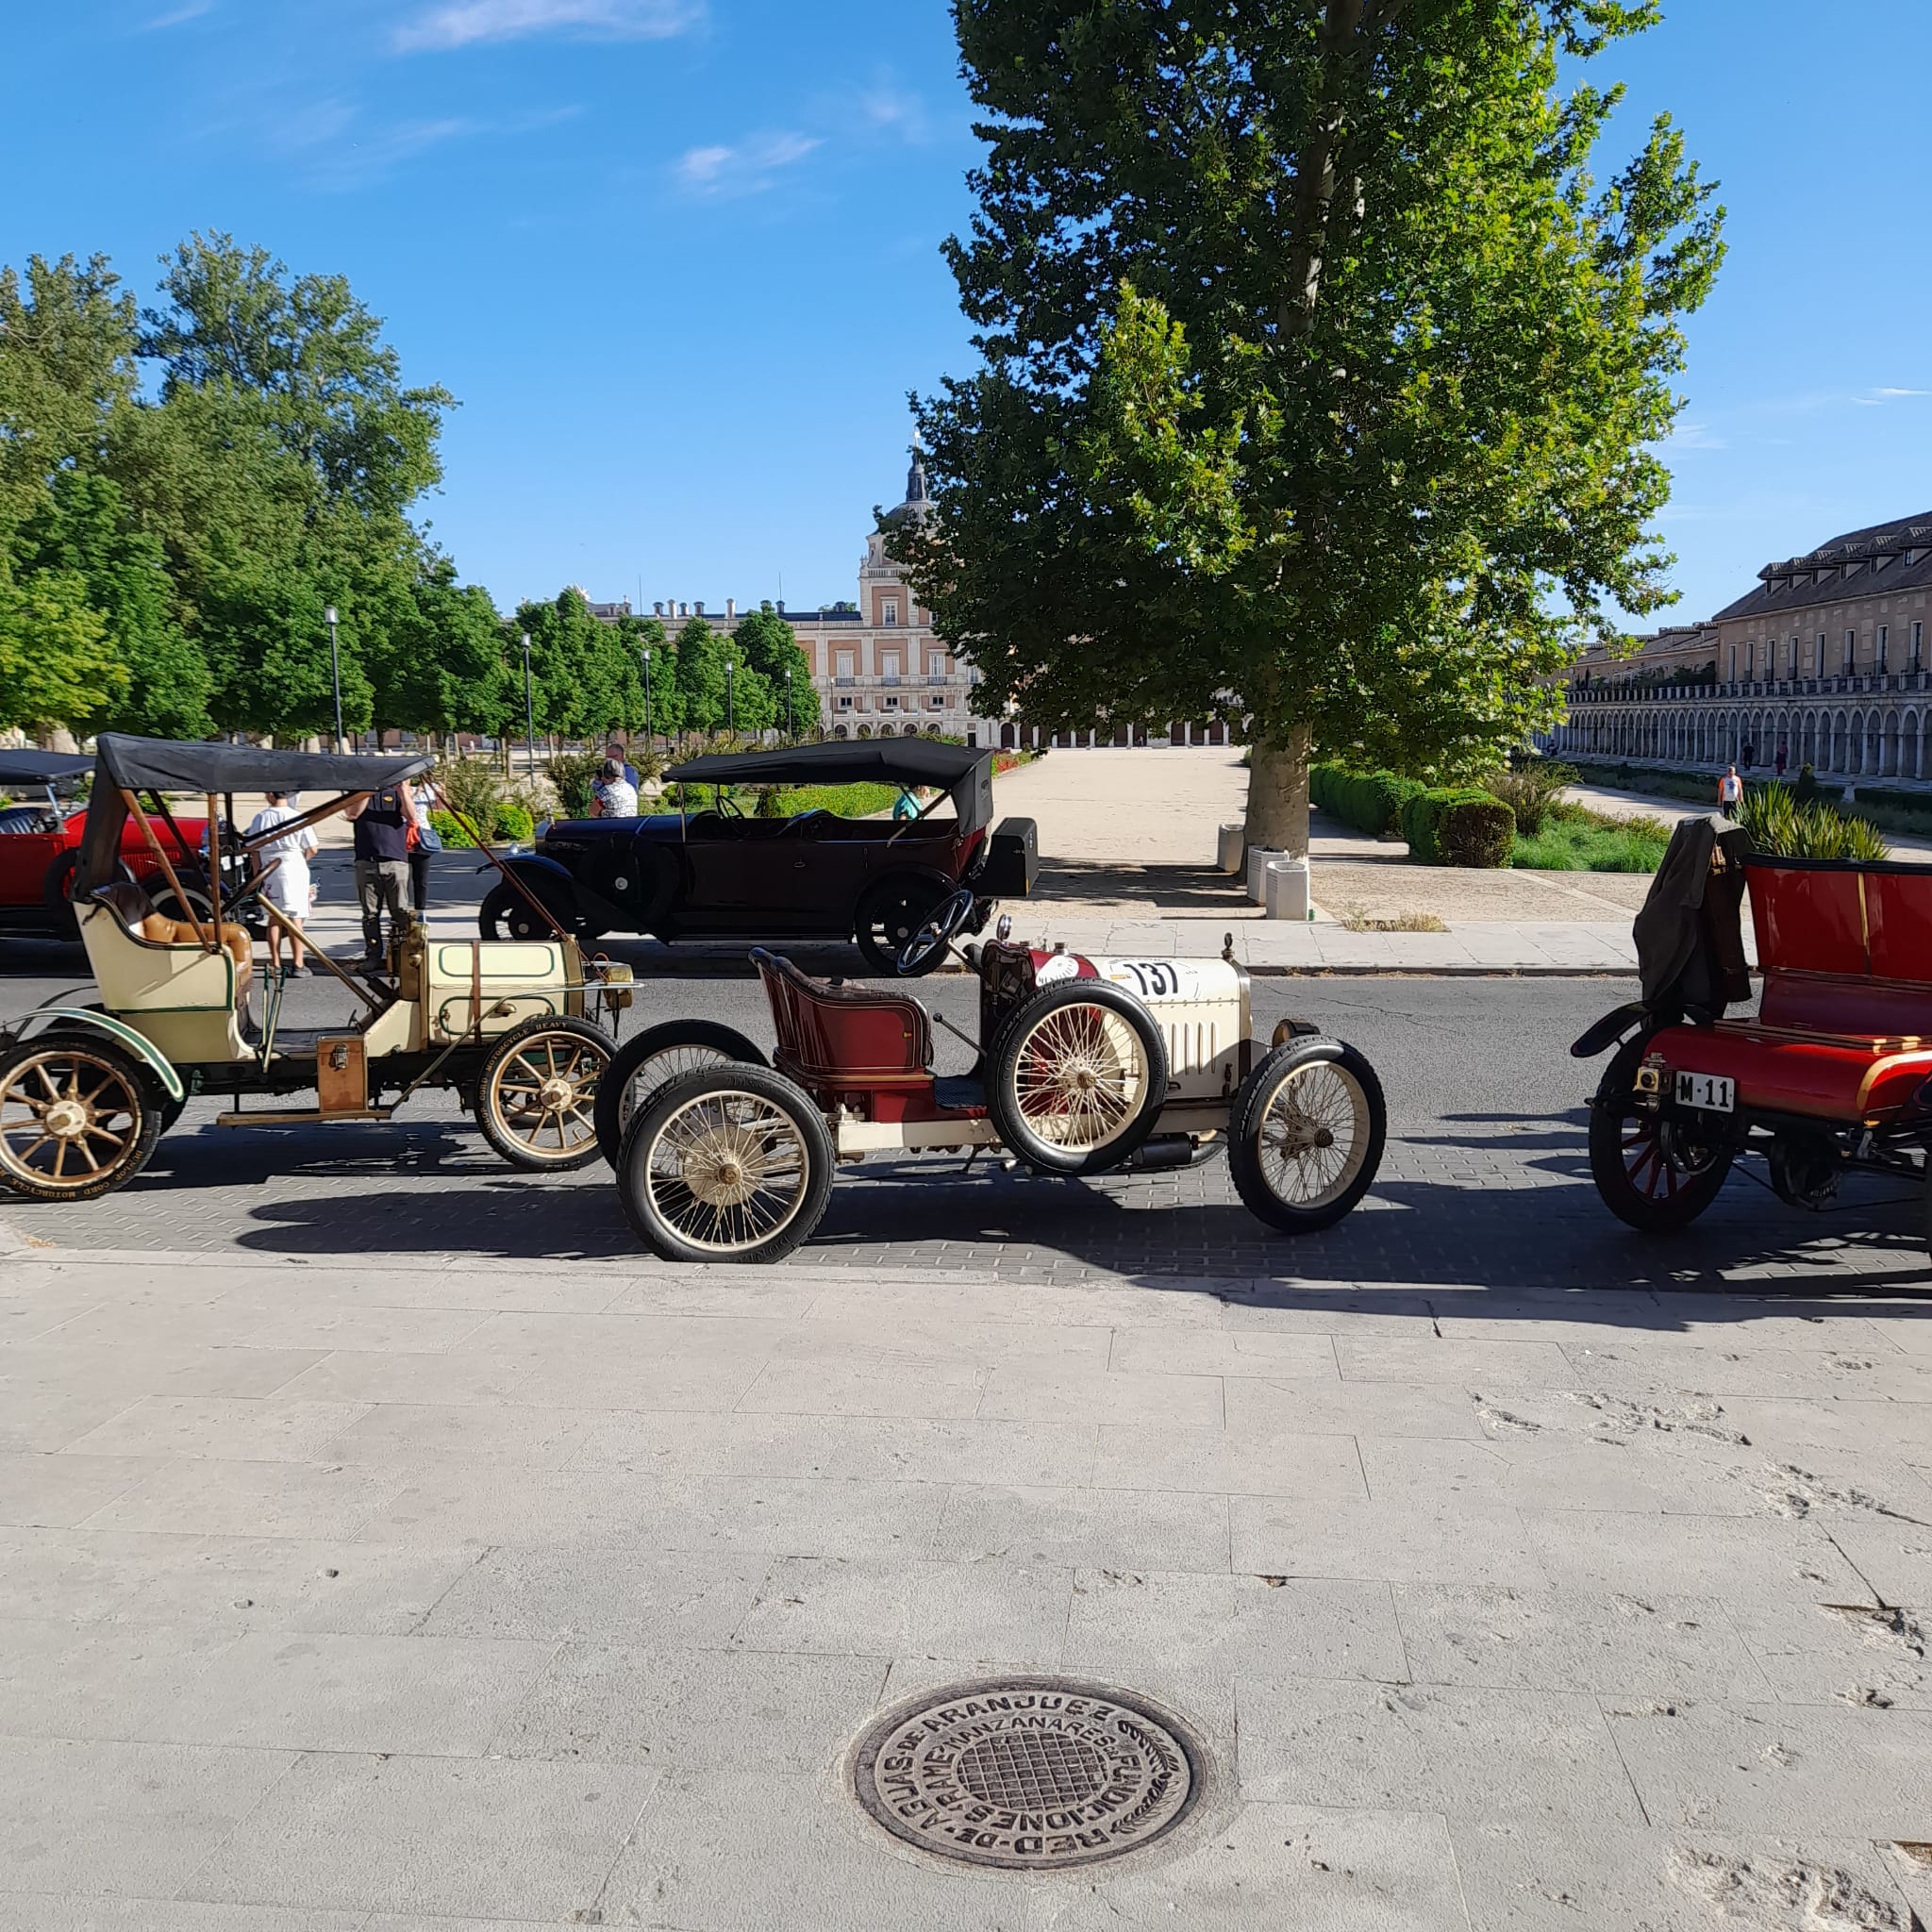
466	23
1695	436
1892	395
179	16
338	150
748	168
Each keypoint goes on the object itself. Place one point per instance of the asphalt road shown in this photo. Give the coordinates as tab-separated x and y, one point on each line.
1485	1181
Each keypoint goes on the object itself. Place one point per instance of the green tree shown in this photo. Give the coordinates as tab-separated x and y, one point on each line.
56	659
82	529
770	645
700	677
1321	378
267	645
638	635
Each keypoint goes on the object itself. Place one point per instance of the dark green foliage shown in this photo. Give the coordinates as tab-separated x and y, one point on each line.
1369	801
1531	790
572	774
767	645
1457	826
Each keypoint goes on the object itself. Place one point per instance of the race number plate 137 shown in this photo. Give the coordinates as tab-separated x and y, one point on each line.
1713	1092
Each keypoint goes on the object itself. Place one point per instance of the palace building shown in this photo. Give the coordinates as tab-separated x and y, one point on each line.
1826	660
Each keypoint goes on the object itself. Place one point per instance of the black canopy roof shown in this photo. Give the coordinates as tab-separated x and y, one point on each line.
965	773
32	767
159	764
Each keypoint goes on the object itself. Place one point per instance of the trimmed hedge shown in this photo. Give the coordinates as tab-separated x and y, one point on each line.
1458	826
510	821
1369	801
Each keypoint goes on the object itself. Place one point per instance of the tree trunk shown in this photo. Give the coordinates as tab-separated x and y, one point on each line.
1279	792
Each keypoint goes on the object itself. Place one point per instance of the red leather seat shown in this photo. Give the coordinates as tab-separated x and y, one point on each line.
843	1037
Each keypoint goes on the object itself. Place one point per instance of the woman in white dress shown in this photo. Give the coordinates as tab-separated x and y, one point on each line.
288	889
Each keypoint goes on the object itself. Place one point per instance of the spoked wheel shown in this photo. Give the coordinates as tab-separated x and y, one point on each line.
1079	1075
1306	1133
888	917
76	1119
535	1103
727	1164
508	914
1658	1173
644	1066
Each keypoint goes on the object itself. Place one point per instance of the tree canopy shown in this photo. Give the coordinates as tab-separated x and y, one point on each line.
1321	375
168	546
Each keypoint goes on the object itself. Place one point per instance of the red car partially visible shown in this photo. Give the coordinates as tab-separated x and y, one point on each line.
39	846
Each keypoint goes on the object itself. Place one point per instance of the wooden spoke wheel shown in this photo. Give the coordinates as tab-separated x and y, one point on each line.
647	1064
1079	1075
1656	1172
537	1101
78	1118
1305	1135
731	1163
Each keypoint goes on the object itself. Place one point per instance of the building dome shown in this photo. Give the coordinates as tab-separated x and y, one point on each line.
918	504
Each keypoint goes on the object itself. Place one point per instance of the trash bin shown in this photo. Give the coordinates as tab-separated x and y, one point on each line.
1286	888
1231	853
1258	856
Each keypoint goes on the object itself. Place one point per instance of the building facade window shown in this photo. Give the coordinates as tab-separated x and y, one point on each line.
1883	630
1918	647
1750	659
891	611
1851	652
1820	671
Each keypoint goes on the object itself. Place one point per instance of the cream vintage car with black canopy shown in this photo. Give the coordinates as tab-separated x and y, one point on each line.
86	1090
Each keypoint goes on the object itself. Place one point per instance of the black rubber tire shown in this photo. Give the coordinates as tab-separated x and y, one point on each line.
627	1087
161	896
1002	1094
644	1211
137	1090
1689	1189
506	914
57	889
889	912
1248	1117
492	1116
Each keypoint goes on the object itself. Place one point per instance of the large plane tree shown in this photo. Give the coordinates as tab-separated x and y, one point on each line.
1321	376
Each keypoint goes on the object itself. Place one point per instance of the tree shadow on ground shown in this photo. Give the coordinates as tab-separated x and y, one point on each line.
1182	891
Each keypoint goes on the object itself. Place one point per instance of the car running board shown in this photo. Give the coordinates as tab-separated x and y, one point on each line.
300	1116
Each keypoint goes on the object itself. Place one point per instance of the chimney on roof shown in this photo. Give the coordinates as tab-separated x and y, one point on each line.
658	609
699	607
781	606
730	608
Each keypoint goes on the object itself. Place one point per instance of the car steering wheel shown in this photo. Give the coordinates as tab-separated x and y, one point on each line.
936	930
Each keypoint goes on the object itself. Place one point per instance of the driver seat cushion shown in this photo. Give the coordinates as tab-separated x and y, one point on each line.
841	1035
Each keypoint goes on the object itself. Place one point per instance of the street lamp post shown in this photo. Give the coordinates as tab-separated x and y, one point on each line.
335	670
788	731
730	711
529	707
650	727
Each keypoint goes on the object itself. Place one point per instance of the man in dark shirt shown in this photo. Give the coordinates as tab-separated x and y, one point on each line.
383	819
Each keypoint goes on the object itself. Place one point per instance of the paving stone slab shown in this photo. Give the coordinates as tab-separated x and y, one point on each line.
90	1818
491	1838
39	1912
60	1491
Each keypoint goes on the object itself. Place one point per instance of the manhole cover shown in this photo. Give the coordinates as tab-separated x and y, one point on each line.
1031	1774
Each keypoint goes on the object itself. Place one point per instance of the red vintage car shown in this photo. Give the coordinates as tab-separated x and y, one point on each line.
1833	1073
40	847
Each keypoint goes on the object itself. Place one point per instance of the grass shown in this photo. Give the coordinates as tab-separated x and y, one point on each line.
1574	839
1354	920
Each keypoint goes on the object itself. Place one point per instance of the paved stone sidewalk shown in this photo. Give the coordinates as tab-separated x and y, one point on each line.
360	1594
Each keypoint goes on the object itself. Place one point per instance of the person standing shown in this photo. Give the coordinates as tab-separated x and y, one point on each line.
288	890
382	820
426	795
1730	791
1784	757
614	752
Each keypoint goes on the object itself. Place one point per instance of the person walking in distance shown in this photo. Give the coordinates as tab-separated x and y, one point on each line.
288	889
426	795
382	820
1730	791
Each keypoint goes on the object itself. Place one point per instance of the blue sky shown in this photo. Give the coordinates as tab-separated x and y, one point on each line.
678	258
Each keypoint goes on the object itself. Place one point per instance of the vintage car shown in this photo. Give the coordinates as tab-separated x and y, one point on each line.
717	872
1084	1066
40	848
84	1091
1832	1074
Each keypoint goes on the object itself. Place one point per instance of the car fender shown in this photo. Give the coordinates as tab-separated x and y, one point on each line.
139	1044
542	876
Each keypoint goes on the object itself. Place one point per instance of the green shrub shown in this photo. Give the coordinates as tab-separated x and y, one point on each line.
446	827
511	822
515	821
1530	792
1779	823
1369	801
1458	826
472	785
573	773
